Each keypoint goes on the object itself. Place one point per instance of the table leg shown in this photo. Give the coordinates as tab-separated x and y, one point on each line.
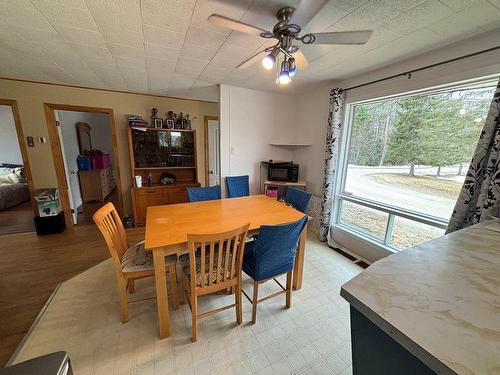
161	292
298	272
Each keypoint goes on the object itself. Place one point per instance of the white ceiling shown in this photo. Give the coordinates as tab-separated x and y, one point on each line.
167	47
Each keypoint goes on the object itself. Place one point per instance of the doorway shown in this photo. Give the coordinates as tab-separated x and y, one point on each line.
16	186
86	160
212	150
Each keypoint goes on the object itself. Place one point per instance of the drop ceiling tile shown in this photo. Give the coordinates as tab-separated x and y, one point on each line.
367	16
182	80
195	64
80	36
403	5
33	35
92	53
124	14
467	21
331	13
262	13
214	74
197	52
157	52
230	56
61	14
22	12
124	51
130	64
495	3
163	38
115	35
168	14
458	5
205	38
417	17
204	91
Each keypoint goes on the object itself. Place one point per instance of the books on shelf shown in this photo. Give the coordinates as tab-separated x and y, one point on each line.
137	122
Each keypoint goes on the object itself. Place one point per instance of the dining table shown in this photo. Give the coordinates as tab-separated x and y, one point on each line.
167	228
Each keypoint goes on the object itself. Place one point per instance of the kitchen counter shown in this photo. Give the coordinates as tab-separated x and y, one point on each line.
438	301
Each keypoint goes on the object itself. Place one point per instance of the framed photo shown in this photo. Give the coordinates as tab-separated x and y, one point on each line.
169	123
158	123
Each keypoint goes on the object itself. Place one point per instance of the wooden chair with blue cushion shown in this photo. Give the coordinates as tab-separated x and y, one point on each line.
199	194
271	255
237	186
298	199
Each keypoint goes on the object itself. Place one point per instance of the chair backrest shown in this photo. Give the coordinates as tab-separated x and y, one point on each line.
237	186
198	194
109	223
299	199
220	257
275	248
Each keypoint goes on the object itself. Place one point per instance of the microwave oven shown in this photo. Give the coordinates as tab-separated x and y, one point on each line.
287	172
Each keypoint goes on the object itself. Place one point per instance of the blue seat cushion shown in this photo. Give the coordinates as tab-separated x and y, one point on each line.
249	259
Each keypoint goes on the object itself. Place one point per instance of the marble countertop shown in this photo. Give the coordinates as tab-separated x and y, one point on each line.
440	300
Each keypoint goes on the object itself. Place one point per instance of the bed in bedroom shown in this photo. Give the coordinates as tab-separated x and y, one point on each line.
13	186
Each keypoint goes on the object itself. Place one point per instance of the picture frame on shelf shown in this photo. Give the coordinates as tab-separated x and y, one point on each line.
158	123
169	123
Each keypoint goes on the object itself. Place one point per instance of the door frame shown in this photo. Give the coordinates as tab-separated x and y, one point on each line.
57	153
22	146
205	138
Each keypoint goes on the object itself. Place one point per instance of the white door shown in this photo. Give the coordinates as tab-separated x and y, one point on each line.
71	175
213	153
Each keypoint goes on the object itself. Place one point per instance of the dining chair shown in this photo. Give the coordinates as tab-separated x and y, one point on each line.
198	194
297	198
130	262
213	264
271	255
237	186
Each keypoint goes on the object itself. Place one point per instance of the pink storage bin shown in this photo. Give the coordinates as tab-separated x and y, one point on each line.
101	161
272	192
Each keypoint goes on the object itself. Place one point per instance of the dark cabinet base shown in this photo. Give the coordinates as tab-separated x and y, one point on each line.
376	353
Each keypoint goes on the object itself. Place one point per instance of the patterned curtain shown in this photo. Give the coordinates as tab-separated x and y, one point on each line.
335	118
480	194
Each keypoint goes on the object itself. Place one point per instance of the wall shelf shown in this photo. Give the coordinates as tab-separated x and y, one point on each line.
286	144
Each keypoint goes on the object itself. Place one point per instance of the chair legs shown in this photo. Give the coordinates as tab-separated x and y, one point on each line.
237	301
255	301
122	292
194	317
287	290
175	288
131	286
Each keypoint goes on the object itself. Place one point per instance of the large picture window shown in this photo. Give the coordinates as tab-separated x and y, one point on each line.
404	160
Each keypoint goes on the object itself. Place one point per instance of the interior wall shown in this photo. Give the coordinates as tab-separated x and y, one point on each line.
10	152
250	120
32	96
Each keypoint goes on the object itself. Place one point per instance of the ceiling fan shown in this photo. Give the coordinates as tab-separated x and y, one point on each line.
287	32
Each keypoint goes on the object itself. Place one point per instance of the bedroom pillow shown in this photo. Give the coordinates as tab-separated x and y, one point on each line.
9	179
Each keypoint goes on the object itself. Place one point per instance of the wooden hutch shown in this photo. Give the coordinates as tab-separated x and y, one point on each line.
170	153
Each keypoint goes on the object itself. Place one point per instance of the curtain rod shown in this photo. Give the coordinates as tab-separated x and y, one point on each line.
409	73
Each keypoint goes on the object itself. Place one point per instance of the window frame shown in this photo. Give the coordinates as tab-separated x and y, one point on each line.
392	211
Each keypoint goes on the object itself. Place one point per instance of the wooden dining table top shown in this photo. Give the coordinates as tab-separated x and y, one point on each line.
169	225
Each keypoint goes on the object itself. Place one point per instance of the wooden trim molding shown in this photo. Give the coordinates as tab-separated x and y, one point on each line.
22	147
205	138
57	153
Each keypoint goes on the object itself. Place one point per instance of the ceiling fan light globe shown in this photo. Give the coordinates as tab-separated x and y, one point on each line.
284	78
292	71
268	62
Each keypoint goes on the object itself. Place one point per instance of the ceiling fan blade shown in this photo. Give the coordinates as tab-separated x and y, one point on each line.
306	10
343	37
300	60
252	60
229	23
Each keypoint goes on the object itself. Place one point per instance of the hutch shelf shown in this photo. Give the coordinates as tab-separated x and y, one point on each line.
161	153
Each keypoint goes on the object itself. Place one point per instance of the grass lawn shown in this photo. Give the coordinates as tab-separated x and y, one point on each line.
429	185
405	233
